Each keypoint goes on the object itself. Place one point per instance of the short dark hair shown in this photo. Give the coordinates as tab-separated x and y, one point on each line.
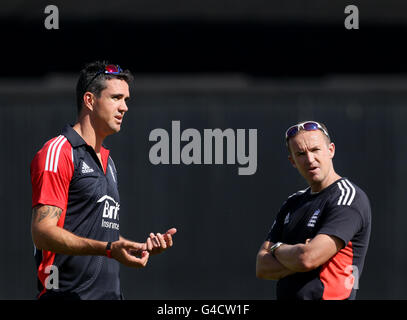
92	79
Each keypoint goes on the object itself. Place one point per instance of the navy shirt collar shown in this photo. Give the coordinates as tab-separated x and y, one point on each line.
74	138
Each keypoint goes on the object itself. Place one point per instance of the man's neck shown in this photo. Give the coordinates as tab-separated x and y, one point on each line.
88	133
326	183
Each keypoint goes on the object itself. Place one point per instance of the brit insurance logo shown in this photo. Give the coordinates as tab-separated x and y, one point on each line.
110	212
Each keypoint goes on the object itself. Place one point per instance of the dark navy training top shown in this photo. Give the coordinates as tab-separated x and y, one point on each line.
341	210
67	173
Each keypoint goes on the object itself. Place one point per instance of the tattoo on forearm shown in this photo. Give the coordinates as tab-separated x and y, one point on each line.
43	212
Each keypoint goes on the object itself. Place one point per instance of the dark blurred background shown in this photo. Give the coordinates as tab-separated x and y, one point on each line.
250	64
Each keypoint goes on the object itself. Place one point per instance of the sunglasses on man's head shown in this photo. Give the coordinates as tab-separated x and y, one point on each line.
307	126
112	69
109	69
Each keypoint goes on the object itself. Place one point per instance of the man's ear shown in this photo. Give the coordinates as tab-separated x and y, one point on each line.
290	158
88	100
331	149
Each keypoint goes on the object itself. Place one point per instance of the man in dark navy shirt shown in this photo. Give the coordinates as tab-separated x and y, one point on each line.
317	244
75	199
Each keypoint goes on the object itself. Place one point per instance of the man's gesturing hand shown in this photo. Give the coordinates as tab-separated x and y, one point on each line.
126	253
157	243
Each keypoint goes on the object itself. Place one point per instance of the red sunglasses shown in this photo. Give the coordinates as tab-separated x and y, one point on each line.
109	69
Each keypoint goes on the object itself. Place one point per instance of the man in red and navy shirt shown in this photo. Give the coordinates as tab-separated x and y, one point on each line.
317	244
75	198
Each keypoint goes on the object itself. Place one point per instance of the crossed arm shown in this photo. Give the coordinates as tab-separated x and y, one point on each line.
48	236
301	257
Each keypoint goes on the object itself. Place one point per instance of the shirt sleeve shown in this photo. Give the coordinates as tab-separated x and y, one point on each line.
275	232
342	222
51	172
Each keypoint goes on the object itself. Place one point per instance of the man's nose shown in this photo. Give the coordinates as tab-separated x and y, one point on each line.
310	157
123	107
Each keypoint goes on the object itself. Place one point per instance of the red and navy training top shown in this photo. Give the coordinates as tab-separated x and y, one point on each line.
67	173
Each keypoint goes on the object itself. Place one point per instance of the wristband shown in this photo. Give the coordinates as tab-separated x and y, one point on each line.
274	248
109	250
